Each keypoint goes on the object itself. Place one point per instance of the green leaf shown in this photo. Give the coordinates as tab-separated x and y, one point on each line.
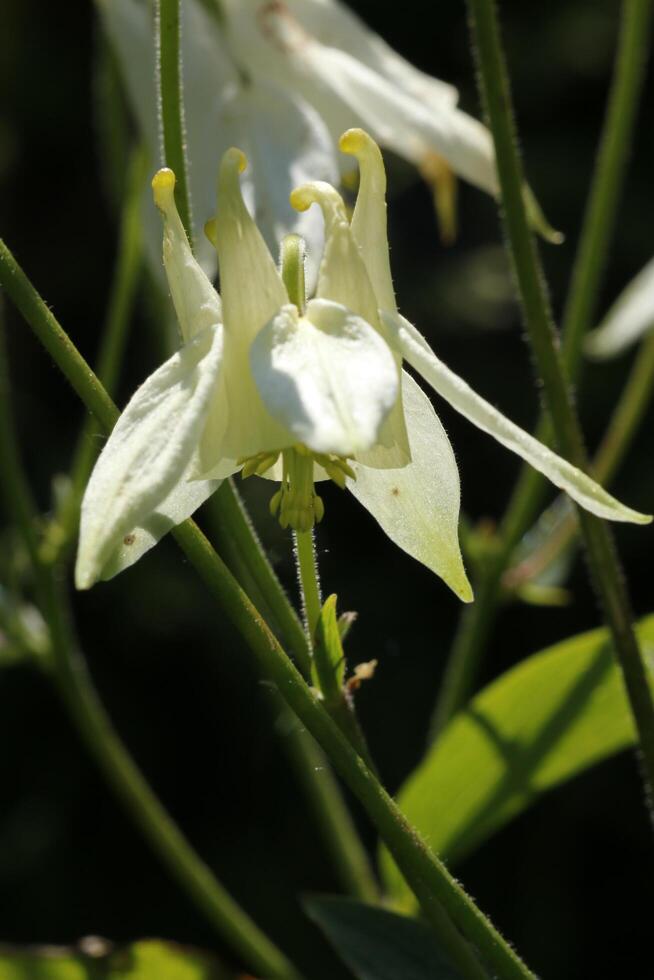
95	959
329	657
379	945
551	717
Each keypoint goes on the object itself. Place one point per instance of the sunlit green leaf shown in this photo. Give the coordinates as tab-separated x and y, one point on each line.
551	717
379	945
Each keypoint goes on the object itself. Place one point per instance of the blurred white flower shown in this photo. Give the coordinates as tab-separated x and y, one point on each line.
295	392
631	316
283	81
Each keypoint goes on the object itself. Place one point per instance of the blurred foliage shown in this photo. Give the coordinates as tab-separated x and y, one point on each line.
179	684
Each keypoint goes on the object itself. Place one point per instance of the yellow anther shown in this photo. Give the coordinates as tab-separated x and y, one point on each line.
336	474
265	463
275	501
163	187
210	230
250	467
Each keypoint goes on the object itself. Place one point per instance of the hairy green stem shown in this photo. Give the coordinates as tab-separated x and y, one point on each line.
602	558
608	178
307	573
171	102
629	412
451	911
240	546
477	621
244	556
75	687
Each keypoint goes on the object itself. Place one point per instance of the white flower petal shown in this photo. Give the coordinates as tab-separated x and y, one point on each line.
369	223
334	25
252	293
196	302
286	143
343	278
347	92
327	376
418	506
147	453
481	413
183	500
629	318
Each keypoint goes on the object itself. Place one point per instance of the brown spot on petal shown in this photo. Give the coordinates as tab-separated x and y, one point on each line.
129	539
395	491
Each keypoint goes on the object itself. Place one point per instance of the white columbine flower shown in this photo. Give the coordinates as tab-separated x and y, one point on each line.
283	81
296	394
630	317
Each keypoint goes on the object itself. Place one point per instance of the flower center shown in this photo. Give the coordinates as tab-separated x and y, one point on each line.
296	504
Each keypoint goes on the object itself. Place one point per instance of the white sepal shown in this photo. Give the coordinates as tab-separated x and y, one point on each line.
147	453
182	501
629	318
327	376
417	506
585	491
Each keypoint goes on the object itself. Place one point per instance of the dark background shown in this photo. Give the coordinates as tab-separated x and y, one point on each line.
571	882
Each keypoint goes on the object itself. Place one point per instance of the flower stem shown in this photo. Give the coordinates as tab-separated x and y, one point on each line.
455	917
608	179
307	573
171	103
75	687
603	560
244	556
477	620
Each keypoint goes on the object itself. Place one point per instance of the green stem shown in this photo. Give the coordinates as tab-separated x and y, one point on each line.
617	440
307	573
478	620
451	911
608	179
239	544
76	689
603	560
171	103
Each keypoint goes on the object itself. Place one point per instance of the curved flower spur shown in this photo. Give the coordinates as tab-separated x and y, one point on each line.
296	392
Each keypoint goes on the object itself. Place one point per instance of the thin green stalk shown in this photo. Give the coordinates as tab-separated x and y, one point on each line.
171	103
477	621
307	573
602	558
63	527
608	179
239	544
75	687
451	911
242	552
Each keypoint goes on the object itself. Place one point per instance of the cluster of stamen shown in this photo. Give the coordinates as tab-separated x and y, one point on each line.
296	504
